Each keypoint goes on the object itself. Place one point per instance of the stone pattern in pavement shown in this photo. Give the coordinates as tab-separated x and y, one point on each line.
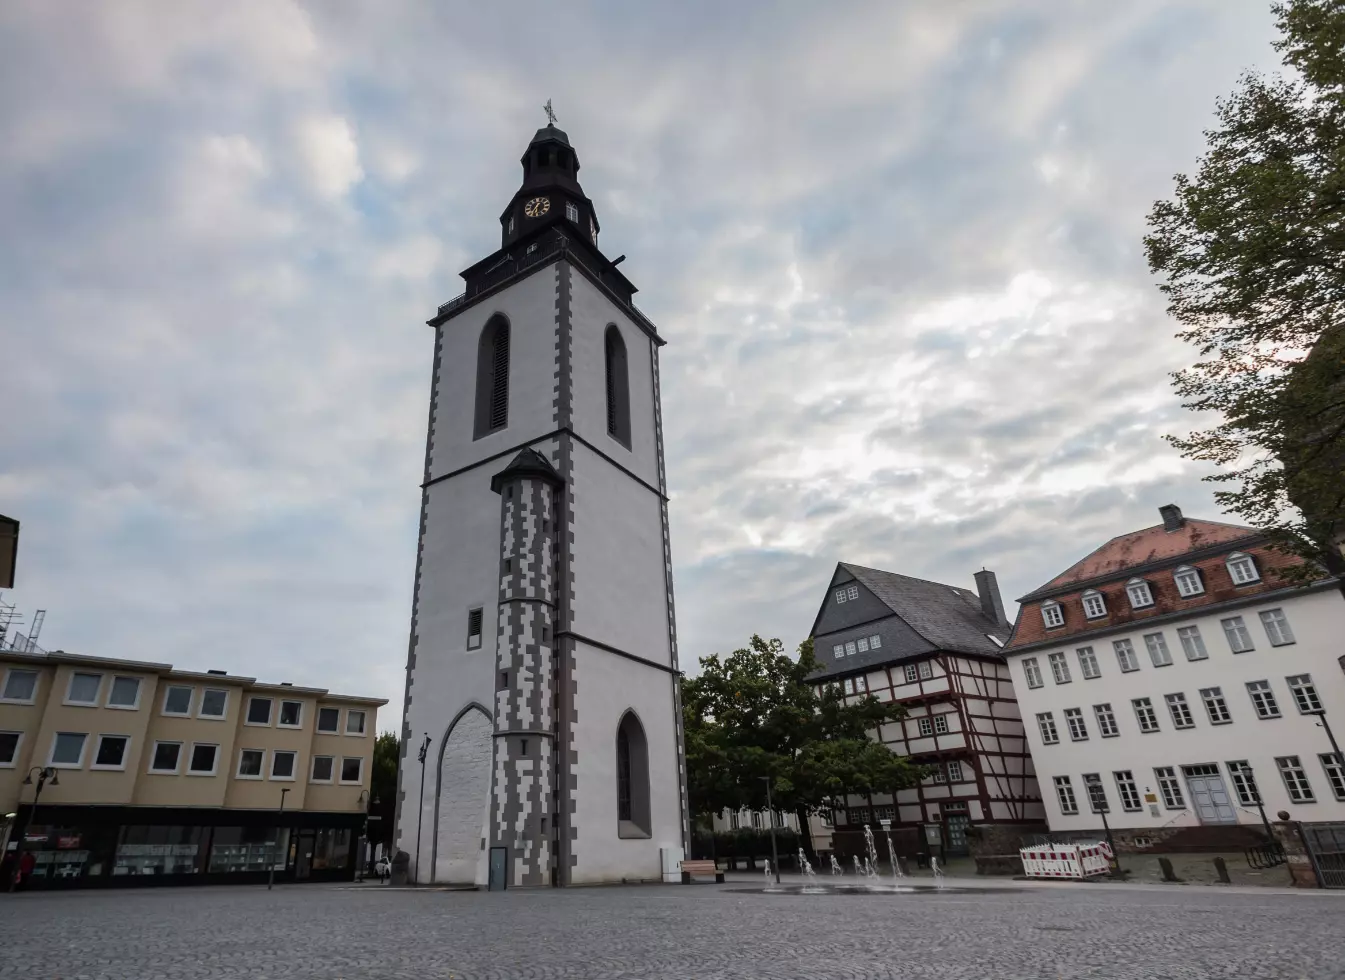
701	932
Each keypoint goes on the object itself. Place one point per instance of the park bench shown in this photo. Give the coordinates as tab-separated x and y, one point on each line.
690	868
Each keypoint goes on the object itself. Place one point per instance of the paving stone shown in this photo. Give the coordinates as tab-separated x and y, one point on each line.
702	932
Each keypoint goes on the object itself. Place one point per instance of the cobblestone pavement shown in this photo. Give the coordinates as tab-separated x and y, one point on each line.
700	932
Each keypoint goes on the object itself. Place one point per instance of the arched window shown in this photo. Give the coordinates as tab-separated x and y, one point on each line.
492	377
632	778
618	387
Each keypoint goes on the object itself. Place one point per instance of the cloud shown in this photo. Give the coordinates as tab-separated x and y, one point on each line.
894	248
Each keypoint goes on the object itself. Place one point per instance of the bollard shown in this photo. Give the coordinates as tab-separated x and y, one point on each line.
1221	869
1166	865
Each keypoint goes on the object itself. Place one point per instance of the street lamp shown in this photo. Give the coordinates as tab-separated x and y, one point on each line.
770	815
1320	713
45	774
420	821
1098	797
271	876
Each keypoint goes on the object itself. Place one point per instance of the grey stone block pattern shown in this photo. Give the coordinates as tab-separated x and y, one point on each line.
318	932
521	811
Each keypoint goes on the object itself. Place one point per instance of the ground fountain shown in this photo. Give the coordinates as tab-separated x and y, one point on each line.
836	867
892	856
807	873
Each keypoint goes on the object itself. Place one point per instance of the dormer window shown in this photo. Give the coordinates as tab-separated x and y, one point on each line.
1242	569
510	229
1139	593
571	211
1052	615
1188	581
1094	605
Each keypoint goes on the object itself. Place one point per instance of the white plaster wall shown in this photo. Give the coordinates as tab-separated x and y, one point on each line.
590	313
1317	621
620	593
530	306
464	798
458	572
608	685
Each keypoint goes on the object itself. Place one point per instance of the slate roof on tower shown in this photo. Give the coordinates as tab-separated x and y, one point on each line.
936	617
528	464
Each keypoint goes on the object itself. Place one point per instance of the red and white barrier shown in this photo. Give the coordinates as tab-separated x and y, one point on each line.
1065	860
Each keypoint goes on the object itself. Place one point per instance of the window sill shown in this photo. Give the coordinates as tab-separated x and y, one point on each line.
108	768
328	731
123	707
281	779
257	724
66	765
80	704
320	782
628	830
161	772
252	778
196	772
360	782
175	714
205	718
17	701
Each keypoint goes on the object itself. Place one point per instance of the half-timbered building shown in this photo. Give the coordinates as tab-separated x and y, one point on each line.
937	650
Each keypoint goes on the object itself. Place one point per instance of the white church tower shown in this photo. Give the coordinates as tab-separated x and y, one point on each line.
543	655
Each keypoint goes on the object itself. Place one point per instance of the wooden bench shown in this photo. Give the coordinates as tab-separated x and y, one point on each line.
690	868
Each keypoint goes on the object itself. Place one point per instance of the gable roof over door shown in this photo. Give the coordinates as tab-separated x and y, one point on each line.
947	617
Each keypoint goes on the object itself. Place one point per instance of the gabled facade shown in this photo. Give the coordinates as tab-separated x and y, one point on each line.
936	649
1175	674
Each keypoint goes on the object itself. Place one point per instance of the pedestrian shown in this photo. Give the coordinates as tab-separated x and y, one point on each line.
26	865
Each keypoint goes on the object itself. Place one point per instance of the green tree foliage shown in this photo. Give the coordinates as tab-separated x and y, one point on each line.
755	713
383	787
1252	251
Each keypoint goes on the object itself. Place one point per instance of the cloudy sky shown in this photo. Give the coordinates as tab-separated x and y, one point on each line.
894	248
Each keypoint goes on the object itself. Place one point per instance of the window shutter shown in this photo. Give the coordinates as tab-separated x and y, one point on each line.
499	378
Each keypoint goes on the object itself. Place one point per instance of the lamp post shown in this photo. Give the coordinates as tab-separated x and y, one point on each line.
1320	713
45	774
770	814
420	821
1255	788
271	875
1098	797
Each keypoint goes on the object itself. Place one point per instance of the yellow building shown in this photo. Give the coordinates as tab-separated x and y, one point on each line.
149	774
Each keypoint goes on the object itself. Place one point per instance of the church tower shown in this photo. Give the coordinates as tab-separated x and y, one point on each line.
543	655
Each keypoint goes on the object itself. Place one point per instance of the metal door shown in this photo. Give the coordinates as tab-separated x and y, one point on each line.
499	869
956	828
1209	796
1326	847
303	856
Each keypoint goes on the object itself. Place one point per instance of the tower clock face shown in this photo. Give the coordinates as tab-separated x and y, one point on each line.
537	207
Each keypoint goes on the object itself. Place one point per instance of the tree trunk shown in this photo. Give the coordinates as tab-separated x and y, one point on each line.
806	834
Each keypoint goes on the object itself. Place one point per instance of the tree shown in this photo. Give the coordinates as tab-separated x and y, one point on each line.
1253	251
383	788
755	713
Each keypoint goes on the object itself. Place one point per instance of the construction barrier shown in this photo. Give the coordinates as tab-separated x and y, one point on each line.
1065	860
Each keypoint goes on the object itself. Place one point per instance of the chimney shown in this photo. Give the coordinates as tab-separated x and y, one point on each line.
221	673
1172	517
988	589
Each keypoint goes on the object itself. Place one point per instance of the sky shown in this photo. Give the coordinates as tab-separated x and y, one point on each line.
895	249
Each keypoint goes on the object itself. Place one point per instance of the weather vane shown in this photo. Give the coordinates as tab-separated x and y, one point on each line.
550	113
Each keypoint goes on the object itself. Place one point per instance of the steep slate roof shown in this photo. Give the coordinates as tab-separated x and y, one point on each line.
948	617
1152	544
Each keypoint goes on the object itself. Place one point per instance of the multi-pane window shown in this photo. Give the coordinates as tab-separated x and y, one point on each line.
1244	783
1145	715
1158	649
1052	615
1239	640
1046	723
1188	581
1242	569
1295	779
838	651
1125	785
1096	792
926	726
1180	710
1125	655
571	212
1335	773
911	675
940	774
1170	787
1088	663
862	644
1064	792
1263	699
1106	720
475	619
1094	606
850	648
926	670
1059	668
875	642
940	724
1078	732
1277	628
1305	693
1215	705
955	771
840	595
1193	644
1032	672
847	592
1137	590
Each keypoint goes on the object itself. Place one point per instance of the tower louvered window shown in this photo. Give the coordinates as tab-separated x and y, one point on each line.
618	387
492	378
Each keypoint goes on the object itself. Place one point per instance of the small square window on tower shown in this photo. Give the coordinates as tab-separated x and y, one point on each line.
474	618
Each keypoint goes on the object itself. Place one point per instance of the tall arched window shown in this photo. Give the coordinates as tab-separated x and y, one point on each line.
632	778
492	378
618	387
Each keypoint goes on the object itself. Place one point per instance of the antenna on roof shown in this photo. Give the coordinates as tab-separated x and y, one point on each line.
39	618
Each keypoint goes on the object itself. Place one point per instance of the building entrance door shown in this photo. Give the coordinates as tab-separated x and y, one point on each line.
303	855
955	826
498	869
1209	796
